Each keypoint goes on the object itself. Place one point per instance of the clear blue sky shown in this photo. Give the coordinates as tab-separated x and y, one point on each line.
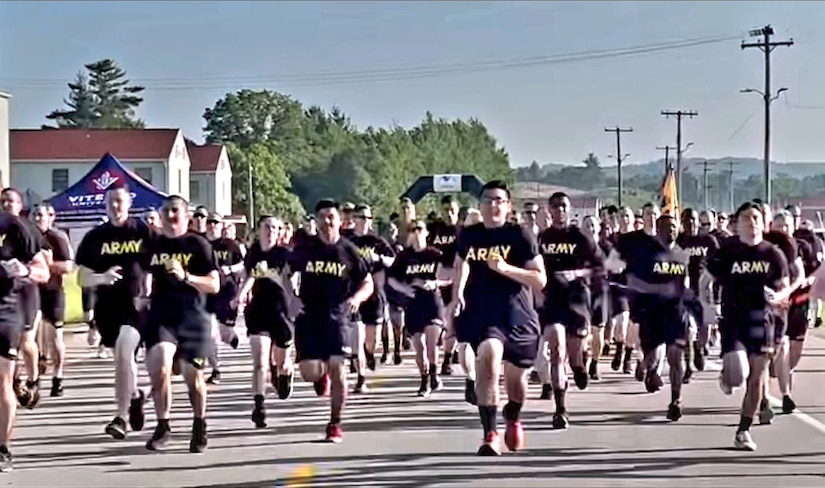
189	54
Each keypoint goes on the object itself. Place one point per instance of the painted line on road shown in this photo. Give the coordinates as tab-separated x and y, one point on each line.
777	403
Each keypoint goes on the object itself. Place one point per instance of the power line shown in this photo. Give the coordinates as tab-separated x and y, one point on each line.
388	75
679	114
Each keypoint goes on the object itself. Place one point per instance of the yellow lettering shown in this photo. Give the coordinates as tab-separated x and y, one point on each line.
750	267
326	267
558	248
160	259
366	251
414	269
124	247
488	253
442	240
223	255
667	268
697	251
2	239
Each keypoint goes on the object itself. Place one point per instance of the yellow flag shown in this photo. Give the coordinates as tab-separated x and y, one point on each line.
670	200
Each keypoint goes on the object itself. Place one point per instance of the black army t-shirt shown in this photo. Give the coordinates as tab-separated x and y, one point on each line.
58	243
16	242
415	267
330	275
108	245
744	272
700	247
195	255
267	269
568	249
493	300
442	236
656	264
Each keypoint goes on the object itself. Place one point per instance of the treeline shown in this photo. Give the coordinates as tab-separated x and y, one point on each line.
298	155
591	176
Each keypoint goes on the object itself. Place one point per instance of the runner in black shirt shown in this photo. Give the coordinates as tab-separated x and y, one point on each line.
109	260
442	236
184	272
52	295
20	259
222	306
599	306
700	246
621	326
498	268
754	278
415	272
347	220
334	282
658	274
571	259
198	222
268	321
28	299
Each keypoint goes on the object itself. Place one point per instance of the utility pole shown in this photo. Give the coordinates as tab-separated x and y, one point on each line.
731	185
619	155
766	46
679	114
705	168
667	150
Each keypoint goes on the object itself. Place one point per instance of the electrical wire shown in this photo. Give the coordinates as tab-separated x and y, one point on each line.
390	75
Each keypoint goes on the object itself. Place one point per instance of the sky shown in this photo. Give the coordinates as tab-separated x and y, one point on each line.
189	54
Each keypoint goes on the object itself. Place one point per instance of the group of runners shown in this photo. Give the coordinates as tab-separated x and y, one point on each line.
529	295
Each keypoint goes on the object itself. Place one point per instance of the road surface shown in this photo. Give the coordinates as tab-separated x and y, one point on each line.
618	437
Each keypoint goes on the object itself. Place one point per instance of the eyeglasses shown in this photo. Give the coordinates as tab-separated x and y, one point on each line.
212	222
494	201
200	216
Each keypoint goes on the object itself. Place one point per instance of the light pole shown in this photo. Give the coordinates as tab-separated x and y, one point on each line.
766	163
619	173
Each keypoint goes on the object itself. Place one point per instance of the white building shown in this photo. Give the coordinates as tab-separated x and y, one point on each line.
4	139
210	177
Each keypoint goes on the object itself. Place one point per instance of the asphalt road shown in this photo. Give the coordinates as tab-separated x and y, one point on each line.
618	437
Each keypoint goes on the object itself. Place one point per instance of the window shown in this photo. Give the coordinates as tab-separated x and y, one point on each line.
194	190
223	190
60	180
180	182
145	173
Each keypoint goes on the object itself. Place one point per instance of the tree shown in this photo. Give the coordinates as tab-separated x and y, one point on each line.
82	108
102	98
117	99
270	182
316	153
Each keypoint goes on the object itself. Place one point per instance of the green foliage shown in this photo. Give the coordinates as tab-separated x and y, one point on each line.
312	153
101	98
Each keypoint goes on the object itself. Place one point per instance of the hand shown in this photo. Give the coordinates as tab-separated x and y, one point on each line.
174	268
455	307
497	263
373	257
13	267
774	299
112	275
354	305
226	270
430	285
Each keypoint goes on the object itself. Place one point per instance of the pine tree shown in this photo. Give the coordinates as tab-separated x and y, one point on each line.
101	99
82	106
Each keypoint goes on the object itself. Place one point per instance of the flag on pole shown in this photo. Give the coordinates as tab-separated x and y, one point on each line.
670	200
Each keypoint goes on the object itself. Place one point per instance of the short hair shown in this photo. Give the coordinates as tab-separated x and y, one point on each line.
263	218
752	205
447	200
612	209
649	205
496	185
12	190
558	196
327	203
176	200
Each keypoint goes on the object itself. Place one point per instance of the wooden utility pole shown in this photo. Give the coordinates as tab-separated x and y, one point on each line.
679	114
667	150
705	168
619	156
766	46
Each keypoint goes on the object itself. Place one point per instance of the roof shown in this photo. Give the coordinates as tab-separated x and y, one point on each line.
91	144
203	158
4	94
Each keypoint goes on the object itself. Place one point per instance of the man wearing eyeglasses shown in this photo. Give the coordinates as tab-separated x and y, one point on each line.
198	222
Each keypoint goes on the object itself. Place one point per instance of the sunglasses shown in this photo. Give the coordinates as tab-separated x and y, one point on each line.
213	222
200	216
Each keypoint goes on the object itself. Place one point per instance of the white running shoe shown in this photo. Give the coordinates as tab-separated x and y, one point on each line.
744	442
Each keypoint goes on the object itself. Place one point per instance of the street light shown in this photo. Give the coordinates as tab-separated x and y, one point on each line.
766	163
619	174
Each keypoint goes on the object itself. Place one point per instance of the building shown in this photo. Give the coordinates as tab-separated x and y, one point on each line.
44	162
210	177
4	139
582	204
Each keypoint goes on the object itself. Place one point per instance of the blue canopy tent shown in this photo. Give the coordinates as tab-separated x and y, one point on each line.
85	200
